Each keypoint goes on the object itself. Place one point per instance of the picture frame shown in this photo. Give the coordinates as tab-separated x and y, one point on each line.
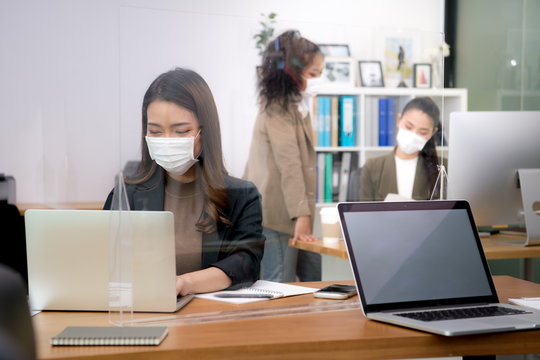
422	74
335	50
398	49
339	71
371	74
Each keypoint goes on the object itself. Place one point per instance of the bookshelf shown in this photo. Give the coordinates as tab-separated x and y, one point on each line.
366	123
448	100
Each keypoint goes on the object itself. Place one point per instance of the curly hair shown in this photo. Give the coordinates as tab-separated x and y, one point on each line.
284	59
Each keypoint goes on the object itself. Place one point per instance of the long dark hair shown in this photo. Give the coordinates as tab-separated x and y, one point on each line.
429	152
188	89
283	61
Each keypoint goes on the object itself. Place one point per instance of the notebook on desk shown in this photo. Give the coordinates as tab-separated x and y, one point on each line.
68	259
420	264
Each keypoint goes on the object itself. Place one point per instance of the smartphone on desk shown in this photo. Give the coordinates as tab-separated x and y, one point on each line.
336	291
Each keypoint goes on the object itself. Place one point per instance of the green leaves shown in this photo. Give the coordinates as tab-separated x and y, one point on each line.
266	33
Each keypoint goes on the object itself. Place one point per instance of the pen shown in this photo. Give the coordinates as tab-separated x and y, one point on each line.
233	295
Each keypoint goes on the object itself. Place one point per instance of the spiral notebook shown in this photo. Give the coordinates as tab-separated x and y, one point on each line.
110	335
272	289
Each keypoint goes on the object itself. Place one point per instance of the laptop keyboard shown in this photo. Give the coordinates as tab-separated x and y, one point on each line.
461	313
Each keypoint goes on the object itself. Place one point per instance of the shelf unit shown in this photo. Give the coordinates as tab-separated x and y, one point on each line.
448	100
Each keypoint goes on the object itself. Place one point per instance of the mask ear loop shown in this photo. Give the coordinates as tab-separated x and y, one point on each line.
290	73
195	138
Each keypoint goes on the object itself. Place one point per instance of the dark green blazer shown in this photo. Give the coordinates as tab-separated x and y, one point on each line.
238	249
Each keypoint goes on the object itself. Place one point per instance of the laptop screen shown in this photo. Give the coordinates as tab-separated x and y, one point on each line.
414	252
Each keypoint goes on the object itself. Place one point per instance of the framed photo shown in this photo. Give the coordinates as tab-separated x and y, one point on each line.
422	75
335	50
338	71
371	74
398	49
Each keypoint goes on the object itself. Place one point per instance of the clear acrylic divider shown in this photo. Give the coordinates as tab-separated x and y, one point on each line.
436	56
120	257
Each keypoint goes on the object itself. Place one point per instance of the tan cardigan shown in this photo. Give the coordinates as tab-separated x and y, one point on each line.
378	178
281	164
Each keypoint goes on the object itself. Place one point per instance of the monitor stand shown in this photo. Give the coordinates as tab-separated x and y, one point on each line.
529	180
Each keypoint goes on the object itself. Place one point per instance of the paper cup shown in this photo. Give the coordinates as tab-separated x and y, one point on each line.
331	229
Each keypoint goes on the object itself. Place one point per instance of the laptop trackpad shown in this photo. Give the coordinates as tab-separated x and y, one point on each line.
509	322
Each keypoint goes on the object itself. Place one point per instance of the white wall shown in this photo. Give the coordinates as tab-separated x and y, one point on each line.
73	74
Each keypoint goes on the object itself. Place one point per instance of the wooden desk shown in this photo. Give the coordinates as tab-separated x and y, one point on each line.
337	249
494	248
329	335
81	205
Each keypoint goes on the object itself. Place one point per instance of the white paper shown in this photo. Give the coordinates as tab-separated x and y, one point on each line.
529	302
262	286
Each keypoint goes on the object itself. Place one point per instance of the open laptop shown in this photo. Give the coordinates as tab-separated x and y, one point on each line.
68	259
414	260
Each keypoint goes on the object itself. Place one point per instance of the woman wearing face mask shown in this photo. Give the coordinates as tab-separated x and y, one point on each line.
217	218
411	169
282	157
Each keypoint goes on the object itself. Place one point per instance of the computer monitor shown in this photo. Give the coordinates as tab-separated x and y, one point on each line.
485	151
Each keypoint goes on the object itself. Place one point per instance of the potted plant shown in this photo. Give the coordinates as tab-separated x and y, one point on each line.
266	33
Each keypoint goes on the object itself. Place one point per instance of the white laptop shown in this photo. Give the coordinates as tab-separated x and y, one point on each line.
68	259
420	264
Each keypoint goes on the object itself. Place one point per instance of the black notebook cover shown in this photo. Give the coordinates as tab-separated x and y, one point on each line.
110	335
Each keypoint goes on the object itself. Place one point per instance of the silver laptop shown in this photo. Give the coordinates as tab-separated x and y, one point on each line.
420	264
68	259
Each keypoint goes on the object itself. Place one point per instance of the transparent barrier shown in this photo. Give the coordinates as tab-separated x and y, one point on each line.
121	257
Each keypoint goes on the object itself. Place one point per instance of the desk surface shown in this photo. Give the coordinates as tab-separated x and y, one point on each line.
329	335
80	205
494	248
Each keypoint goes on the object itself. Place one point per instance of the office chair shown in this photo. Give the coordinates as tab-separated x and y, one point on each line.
353	188
12	234
17	339
7	188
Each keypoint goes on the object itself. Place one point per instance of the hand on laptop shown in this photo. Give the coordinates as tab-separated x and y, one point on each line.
180	285
202	281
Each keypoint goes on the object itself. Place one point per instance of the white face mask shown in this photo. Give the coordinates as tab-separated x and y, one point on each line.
175	155
313	86
410	142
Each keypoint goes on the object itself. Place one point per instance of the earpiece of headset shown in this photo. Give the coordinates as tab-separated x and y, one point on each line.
280	62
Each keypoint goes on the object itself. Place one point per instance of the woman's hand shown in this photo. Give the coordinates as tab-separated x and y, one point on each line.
302	230
182	285
202	281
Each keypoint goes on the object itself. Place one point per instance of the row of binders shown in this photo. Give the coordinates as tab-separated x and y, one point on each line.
383	129
335	120
381	121
333	175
